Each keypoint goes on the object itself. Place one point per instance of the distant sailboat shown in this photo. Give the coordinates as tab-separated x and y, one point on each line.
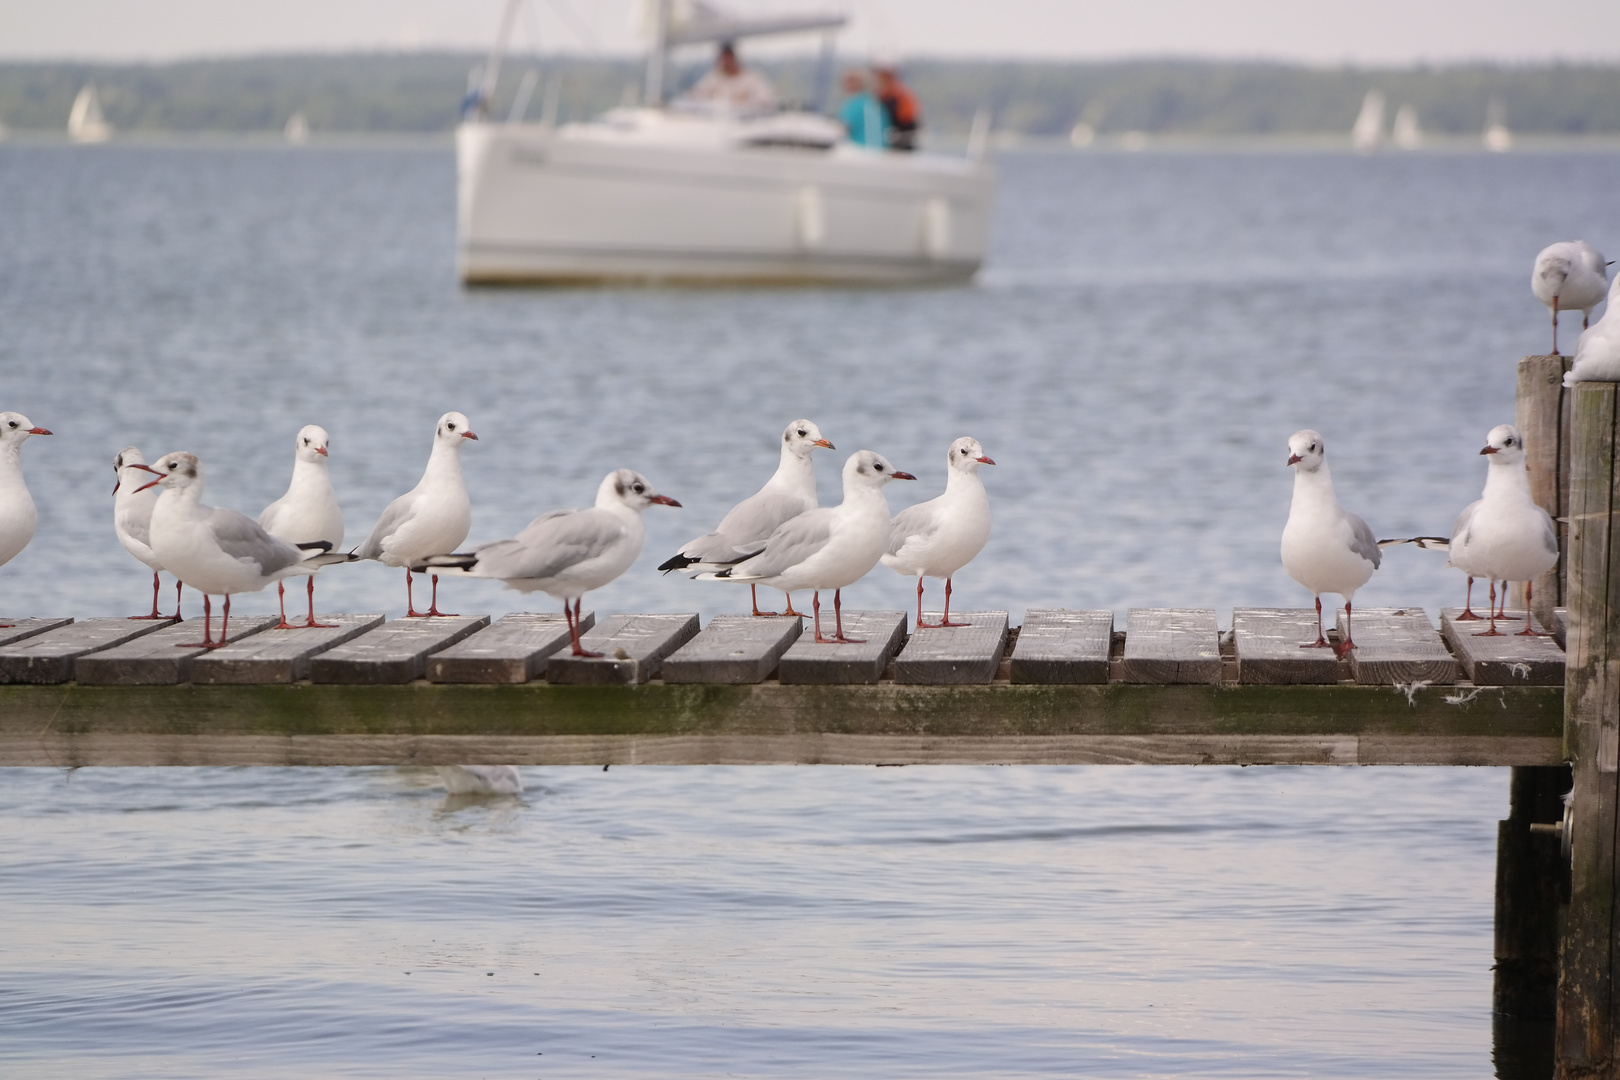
85	122
1498	139
1406	134
297	129
1368	132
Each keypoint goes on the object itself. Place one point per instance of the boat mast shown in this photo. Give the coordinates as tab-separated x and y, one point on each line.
653	94
492	70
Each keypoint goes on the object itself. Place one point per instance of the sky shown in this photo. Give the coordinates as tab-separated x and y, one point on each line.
1310	31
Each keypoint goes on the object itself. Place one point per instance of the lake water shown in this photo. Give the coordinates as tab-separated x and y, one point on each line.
1148	331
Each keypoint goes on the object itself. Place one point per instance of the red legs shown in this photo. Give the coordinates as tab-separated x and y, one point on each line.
838	616
1321	642
178	585
433	605
312	624
945	619
1529	631
753	591
410	599
281	598
1501	607
208	641
1493	631
155	613
920	623
1342	650
815	606
1468	604
790	611
572	615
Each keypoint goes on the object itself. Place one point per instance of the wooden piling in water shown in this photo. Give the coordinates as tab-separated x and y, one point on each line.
1531	883
1542	414
1586	986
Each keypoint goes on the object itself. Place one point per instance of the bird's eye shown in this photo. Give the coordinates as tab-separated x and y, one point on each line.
452	427
803	433
879	468
640	488
14	423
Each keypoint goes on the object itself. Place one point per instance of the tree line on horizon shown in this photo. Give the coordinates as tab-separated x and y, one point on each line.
422	93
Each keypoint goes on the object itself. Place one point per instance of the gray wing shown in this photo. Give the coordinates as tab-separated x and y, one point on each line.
793	542
1549	534
752	521
919	520
717	549
137	527
550	544
1464	519
1362	540
392	518
240	537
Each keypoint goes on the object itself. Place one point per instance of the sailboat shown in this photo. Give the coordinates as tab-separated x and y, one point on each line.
1405	132
297	130
85	122
661	190
1368	133
1498	139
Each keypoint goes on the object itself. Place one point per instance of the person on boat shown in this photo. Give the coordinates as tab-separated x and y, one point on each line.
900	108
861	114
730	87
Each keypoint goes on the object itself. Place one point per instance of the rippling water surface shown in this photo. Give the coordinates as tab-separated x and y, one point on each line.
1148	331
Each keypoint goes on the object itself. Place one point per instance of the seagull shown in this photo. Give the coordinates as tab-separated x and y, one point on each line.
1504	536
741	533
431	518
1569	276
1597	353
829	547
17	514
481	779
939	537
566	553
1325	548
309	511
132	521
218	551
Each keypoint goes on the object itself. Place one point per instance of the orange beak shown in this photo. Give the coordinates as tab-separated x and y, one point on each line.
38	431
321	450
982	460
825	443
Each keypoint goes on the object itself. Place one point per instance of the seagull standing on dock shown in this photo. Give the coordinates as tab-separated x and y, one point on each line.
567	553
1569	276
431	518
829	547
308	511
1325	548
132	521
216	551
18	517
1597	353
939	537
741	533
1504	535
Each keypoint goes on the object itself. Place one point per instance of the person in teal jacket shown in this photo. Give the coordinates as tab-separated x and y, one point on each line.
862	114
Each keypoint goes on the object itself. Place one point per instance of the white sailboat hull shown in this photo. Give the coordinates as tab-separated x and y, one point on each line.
662	198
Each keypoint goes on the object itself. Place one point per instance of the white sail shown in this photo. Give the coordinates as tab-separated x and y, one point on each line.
85	122
1498	139
1368	132
297	129
1405	133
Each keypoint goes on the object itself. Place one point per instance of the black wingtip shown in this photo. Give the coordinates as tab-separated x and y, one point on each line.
322	546
676	562
723	573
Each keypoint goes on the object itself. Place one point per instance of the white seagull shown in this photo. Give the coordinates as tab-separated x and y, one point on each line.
1504	536
481	779
132	521
829	547
567	553
1569	276
1325	548
431	518
939	537
217	551
18	518
741	533
1597	353
308	511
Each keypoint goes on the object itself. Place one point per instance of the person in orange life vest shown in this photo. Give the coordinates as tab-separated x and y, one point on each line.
900	105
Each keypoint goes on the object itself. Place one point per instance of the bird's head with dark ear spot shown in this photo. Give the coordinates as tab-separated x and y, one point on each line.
1307	450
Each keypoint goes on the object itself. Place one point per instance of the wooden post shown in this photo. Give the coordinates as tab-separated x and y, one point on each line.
1586	981
1541	414
1530	884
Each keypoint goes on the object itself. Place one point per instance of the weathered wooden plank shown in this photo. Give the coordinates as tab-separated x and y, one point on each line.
1585	1039
48	657
512	649
279	656
1171	645
395	652
16	628
1560	626
733	649
810	662
161	658
633	648
954	655
1505	660
1270	647
1397	645
1060	646
1541	414
814	748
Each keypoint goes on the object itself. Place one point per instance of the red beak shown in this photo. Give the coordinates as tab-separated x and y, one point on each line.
663	500
154	483
1489	450
1294	459
321	450
116	484
38	431
982	460
901	476
824	442
464	435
